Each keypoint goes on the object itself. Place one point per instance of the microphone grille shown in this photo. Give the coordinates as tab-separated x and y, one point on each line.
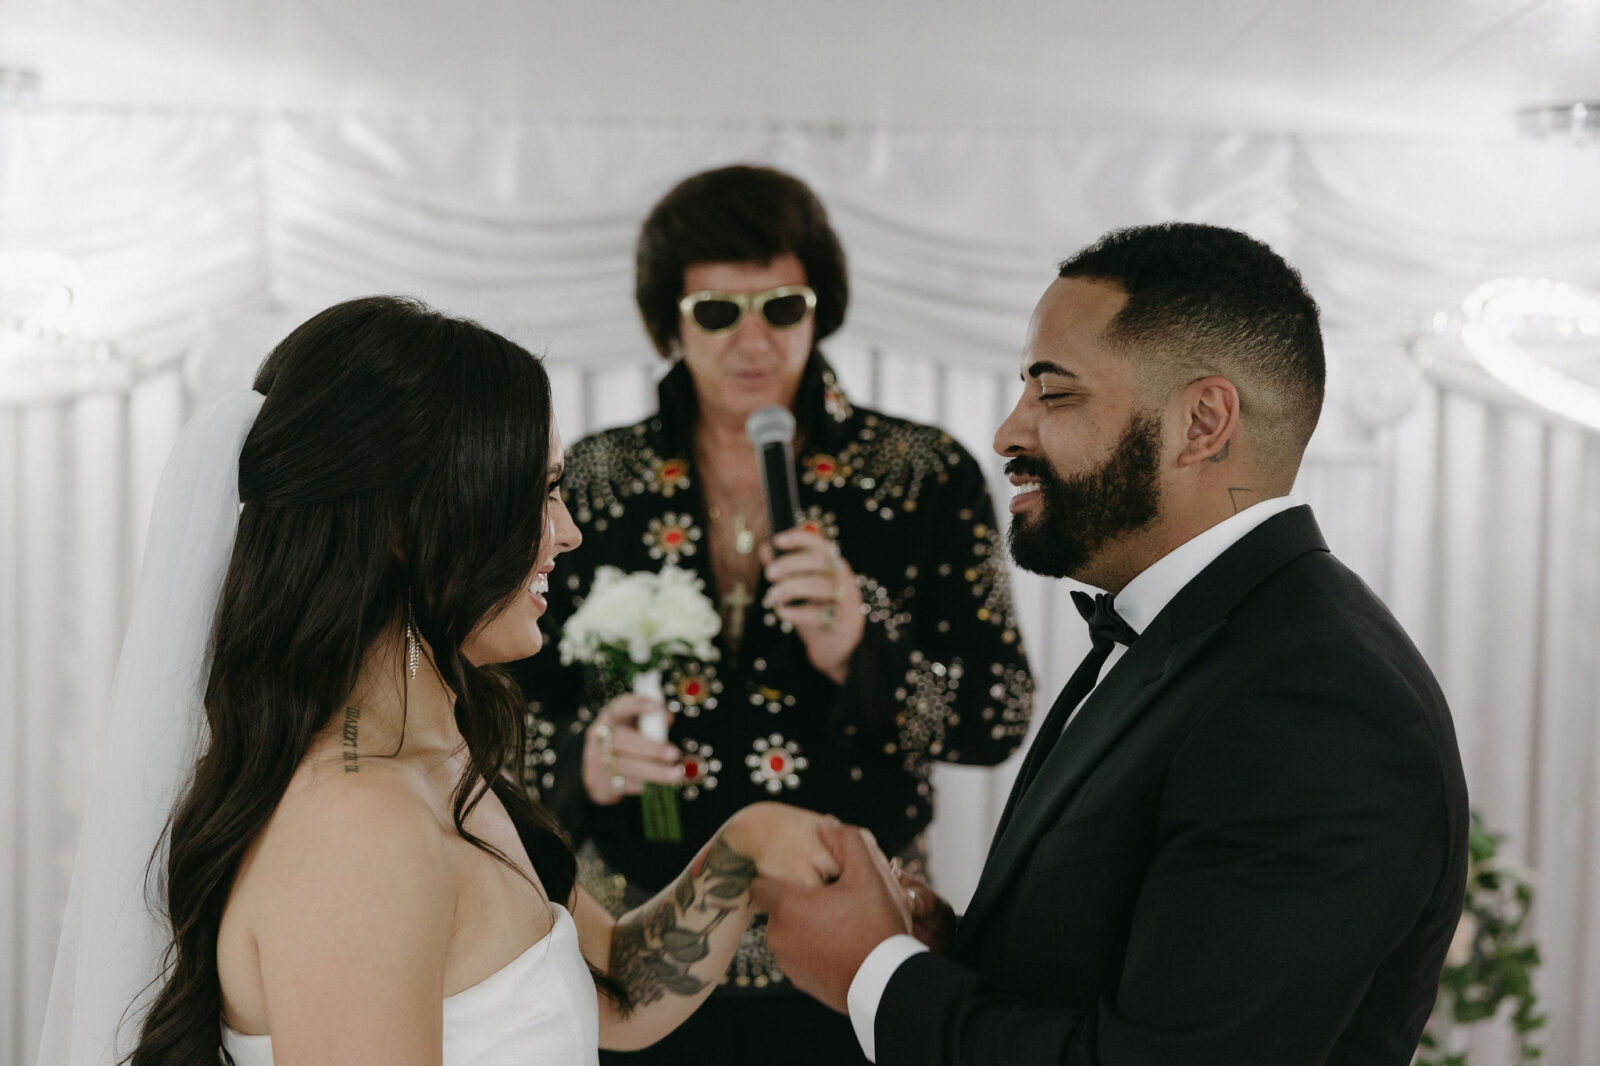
772	424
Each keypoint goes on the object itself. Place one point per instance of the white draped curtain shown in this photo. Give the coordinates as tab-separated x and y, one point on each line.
204	238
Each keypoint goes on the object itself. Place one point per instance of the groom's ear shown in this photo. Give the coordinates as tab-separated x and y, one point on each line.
1210	414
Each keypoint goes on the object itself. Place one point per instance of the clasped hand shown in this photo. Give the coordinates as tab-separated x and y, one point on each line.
785	843
821	934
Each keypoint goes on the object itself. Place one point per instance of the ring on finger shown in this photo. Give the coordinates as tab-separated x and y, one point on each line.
619	782
608	744
829	616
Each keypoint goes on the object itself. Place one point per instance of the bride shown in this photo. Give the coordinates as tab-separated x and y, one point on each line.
348	873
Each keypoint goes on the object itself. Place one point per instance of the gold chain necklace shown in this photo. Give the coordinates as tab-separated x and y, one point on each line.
744	538
744	535
738	599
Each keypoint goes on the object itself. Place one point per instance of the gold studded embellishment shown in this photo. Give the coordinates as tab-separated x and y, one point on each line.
834	400
823	523
770	698
700	768
927	708
538	758
753	963
671	537
881	608
669	476
775	764
695	687
823	472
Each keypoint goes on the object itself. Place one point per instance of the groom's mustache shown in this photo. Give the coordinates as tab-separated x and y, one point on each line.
1029	466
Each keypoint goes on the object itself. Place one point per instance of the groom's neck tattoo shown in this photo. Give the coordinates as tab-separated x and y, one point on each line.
1238	504
349	739
652	953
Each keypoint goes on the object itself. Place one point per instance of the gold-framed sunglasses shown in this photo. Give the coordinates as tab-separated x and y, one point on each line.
715	313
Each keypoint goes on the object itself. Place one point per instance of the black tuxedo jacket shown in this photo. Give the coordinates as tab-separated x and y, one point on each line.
1249	846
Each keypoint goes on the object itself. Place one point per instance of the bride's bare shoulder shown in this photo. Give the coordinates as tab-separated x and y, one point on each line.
345	827
352	873
333	804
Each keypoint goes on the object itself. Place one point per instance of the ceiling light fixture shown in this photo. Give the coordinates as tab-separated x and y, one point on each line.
1540	339
1579	122
41	359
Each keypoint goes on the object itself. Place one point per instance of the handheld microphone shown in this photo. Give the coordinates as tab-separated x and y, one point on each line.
771	430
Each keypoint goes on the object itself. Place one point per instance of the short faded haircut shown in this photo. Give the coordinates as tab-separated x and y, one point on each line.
1205	300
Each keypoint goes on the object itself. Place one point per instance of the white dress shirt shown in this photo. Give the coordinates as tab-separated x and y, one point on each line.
1138	603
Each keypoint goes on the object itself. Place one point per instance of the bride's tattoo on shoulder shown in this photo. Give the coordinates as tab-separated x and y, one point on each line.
652	953
349	740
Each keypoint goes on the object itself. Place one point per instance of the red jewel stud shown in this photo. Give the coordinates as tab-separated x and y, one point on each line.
691	770
693	689
775	764
672	538
810	527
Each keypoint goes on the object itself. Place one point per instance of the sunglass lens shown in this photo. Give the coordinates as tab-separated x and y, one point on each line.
786	310
715	314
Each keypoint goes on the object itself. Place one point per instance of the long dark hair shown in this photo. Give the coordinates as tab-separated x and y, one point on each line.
400	460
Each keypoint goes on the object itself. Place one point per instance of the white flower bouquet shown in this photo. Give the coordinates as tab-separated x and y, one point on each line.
641	621
628	630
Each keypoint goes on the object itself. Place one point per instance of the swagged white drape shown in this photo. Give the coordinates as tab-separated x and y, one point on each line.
1477	519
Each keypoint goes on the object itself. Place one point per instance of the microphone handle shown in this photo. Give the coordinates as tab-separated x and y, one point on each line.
777	479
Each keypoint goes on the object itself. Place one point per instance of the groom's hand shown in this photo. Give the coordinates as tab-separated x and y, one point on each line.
933	918
821	935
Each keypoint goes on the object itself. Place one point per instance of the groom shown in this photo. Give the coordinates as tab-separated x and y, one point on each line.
1240	834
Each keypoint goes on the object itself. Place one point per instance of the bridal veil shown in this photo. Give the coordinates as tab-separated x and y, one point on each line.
114	934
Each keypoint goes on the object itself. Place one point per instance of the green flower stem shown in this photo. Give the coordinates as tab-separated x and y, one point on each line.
660	806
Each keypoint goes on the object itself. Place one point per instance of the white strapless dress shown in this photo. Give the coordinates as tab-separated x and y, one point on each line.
540	1009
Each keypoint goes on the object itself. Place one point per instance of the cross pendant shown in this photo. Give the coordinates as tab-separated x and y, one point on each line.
734	603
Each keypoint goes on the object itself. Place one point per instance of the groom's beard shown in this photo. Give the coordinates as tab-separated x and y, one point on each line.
1080	515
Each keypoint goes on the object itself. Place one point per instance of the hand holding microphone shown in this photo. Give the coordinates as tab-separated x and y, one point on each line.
812	587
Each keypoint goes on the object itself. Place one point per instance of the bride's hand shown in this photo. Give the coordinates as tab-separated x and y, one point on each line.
783	842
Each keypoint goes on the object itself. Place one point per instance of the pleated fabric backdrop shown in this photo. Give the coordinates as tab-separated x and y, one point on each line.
203	238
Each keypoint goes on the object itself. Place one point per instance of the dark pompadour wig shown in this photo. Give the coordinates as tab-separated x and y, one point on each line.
735	214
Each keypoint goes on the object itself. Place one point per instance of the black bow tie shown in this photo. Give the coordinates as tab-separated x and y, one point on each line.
1106	630
1106	626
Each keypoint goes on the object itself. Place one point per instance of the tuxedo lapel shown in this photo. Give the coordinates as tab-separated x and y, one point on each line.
1172	639
1025	772
1110	710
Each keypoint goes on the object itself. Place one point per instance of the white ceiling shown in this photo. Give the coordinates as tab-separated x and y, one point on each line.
1450	66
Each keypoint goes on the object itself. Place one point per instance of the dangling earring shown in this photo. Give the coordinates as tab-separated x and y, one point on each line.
413	643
